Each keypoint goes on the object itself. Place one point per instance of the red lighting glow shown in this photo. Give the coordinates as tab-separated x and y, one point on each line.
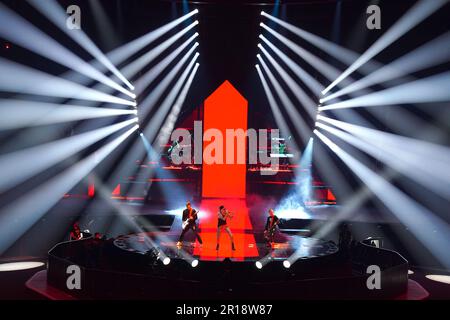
225	109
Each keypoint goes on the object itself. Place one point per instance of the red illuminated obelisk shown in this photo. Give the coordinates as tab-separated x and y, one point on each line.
224	109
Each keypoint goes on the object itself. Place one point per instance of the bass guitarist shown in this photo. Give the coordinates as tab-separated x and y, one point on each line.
271	227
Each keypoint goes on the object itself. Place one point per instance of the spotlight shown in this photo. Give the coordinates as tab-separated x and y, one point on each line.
438	278
258	55
257	66
136	119
196	44
134	104
135	111
263	13
261	24
141	134
260	36
286	264
166	260
195	11
197	64
259	45
24	265
194	263
133	96
196	22
258	264
321	100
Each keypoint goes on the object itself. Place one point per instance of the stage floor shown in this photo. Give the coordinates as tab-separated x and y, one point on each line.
249	246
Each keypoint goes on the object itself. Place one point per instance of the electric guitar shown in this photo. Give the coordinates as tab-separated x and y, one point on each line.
268	234
190	219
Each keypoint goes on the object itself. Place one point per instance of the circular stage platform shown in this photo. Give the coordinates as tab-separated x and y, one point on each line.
249	248
130	266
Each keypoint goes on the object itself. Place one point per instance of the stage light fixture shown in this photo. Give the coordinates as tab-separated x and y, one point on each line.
399	203
137	65
24	265
258	55
21	31
438	278
22	214
306	78
258	264
152	128
263	13
302	129
166	260
32	81
196	22
279	119
286	264
15	167
414	92
144	81
194	263
141	134
303	99
419	12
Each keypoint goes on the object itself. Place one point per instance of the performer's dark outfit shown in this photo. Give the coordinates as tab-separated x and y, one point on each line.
223	226
191	225
271	221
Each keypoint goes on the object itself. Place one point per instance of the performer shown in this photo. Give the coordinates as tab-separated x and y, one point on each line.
76	233
189	218
223	215
270	228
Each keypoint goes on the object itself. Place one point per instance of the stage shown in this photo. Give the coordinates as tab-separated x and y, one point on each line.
123	125
249	247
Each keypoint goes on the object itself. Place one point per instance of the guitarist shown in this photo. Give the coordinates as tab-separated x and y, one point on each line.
270	228
189	218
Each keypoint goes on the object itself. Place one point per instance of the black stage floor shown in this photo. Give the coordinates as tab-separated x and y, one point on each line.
249	246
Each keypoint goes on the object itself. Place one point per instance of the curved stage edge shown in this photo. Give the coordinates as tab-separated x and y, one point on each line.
121	269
